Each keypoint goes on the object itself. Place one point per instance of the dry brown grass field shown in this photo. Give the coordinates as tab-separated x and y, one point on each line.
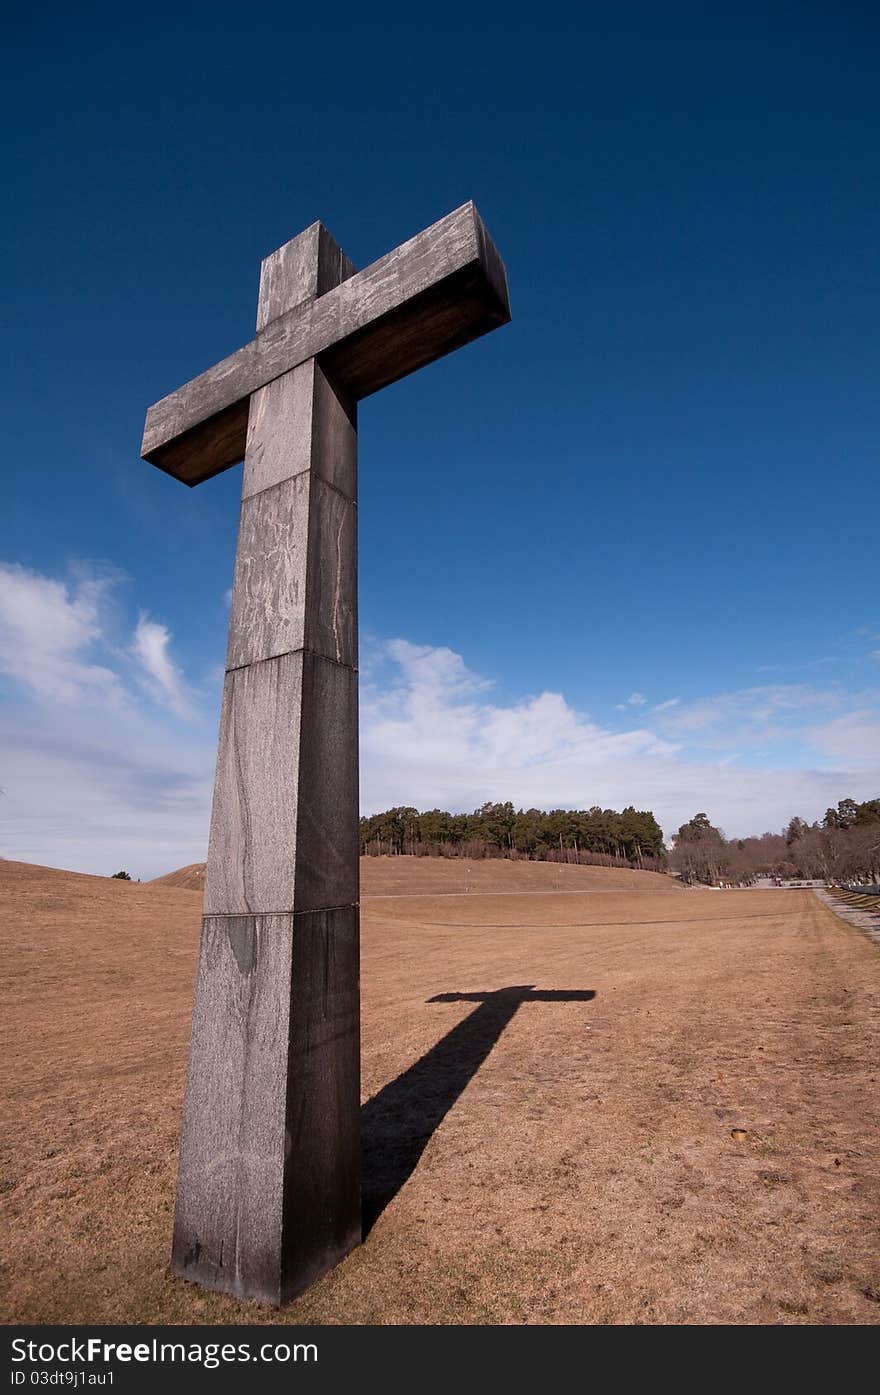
590	1096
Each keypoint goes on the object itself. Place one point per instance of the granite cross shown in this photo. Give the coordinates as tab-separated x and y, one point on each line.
268	1193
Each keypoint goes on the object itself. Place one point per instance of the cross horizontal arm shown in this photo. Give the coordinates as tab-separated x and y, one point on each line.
434	293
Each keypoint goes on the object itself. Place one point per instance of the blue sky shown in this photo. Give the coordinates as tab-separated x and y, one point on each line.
622	551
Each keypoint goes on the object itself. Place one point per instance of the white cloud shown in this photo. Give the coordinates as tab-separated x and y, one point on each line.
854	736
48	632
432	723
99	791
150	648
428	669
665	706
755	716
93	779
431	736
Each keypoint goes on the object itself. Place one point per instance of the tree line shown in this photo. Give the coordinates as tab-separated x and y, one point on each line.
598	836
844	846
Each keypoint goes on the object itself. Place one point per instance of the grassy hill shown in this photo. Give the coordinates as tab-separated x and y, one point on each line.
679	1126
434	876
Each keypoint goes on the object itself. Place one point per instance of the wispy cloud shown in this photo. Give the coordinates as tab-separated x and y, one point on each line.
853	736
150	648
94	778
50	631
798	668
665	706
634	700
753	715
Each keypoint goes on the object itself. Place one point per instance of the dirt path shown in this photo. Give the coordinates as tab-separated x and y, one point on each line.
655	1107
861	911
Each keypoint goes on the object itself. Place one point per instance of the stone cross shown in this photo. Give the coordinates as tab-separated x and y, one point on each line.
268	1194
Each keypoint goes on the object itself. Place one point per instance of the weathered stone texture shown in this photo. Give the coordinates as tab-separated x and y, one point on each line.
284	819
295	581
268	1197
230	1189
301	422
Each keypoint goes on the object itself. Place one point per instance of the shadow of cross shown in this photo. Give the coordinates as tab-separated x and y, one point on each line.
397	1123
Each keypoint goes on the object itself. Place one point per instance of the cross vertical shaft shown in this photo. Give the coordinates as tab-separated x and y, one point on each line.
269	1183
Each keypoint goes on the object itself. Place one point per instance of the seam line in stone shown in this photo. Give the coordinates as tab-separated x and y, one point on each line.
309	470
303	649
246	915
